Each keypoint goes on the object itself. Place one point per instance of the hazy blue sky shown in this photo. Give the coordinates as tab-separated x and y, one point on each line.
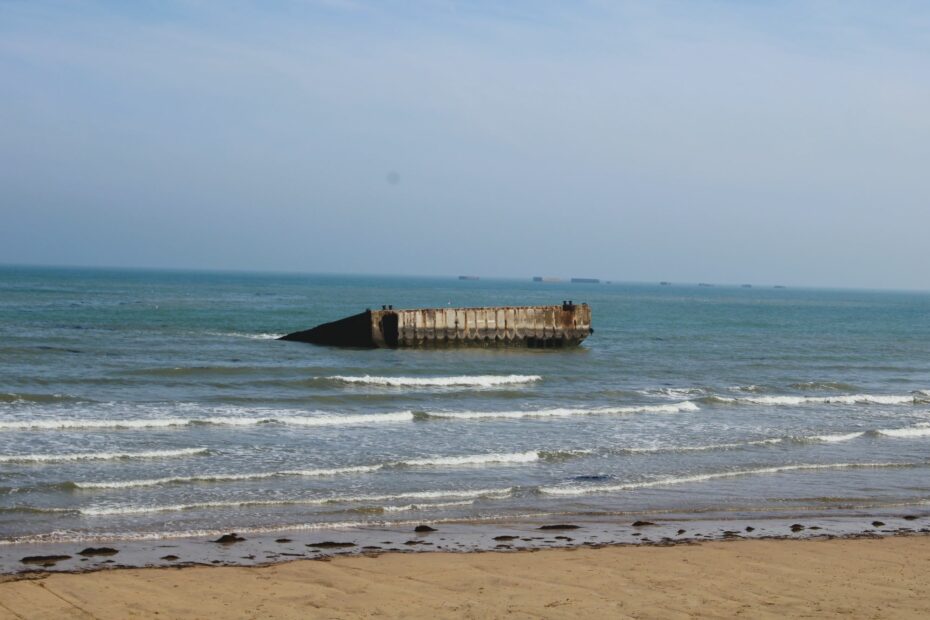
728	141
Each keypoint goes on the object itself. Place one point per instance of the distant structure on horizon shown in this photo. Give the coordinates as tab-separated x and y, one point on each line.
586	281
469	278
704	284
747	286
546	279
664	283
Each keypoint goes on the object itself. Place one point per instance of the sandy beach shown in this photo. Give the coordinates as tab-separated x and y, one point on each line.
859	578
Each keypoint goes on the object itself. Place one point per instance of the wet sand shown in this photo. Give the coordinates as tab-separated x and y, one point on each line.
875	578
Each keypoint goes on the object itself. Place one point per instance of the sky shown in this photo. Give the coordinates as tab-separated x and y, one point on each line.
722	141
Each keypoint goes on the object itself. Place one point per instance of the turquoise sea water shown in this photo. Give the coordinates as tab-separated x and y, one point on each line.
142	403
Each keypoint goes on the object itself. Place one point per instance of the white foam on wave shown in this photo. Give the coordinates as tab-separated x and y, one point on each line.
676	393
409	507
326	419
26	425
705	448
918	430
457	381
565	412
70	536
575	490
837	438
847	399
102	456
249	335
414	495
150	482
436	461
316	420
475	459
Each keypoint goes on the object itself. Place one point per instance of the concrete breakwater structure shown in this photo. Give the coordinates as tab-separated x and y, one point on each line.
528	326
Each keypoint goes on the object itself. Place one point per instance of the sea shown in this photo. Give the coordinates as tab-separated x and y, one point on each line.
149	405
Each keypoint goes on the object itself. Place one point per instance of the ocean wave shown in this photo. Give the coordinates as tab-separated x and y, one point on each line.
409	507
752	389
848	399
574	490
918	430
102	456
837	438
669	392
349	499
71	536
38	510
457	381
560	412
249	335
317	420
737	445
437	461
476	459
564	455
151	482
15	398
703	448
824	385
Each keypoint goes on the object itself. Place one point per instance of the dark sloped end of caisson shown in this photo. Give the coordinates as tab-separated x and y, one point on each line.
352	331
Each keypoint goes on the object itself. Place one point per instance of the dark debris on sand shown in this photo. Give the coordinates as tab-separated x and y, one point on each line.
560	526
93	551
44	560
228	539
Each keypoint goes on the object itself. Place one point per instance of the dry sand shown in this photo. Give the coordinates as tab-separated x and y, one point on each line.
881	578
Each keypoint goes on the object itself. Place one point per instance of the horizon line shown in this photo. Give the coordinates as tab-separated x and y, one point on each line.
562	280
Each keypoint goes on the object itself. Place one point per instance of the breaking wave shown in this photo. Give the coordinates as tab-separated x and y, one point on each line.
848	399
837	438
14	398
675	392
705	448
150	482
459	381
251	336
477	459
560	412
574	490
824	385
407	507
918	430
317	420
102	456
348	499
437	461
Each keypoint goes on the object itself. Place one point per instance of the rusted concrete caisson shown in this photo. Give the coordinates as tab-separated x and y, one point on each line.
529	326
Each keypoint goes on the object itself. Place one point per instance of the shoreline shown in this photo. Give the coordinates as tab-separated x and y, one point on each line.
567	531
864	577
